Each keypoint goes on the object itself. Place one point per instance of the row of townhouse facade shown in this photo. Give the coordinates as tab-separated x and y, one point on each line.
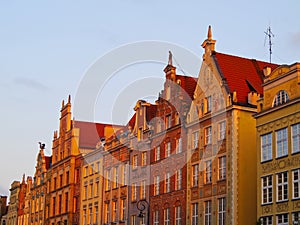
221	148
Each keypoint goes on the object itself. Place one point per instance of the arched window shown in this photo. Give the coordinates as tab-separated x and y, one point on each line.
280	98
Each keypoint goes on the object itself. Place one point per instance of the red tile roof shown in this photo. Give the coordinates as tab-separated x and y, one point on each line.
188	84
242	74
91	133
151	112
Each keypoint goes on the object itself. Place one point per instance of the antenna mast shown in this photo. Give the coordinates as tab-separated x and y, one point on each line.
269	34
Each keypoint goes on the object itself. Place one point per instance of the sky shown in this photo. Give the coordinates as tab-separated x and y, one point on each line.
47	47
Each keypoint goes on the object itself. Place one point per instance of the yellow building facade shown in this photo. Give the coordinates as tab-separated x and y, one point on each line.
278	147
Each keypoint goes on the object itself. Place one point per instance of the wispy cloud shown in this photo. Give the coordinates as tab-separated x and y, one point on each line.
30	83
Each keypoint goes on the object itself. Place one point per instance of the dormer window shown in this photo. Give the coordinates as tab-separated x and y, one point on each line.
280	98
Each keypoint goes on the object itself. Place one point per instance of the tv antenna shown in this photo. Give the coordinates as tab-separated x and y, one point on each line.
269	35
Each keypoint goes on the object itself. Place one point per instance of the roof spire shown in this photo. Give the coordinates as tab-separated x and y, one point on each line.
209	33
170	62
208	44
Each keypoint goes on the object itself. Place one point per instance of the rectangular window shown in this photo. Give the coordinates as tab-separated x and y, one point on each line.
222	130
208	171
91	169
195	174
178	175
85	192
134	161
195	139
139	134
195	214
114	211
167	216
124	174
106	213
179	145
281	142
208	104
296	138
66	201
144	158
168	149
207	212
143	189
208	135
222	168
282	186
134	192
266	220
178	215
296	218
267	189
90	215
115	177
96	214
156	185
296	183
266	147
107	180
123	210
168	121
156	217
86	171
84	217
97	188
283	219
157	153
221	211
167	182
133	220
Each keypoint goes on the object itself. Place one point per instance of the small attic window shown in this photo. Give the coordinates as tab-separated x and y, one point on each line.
280	98
179	82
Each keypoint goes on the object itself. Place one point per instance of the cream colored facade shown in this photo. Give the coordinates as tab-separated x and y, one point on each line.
91	188
12	213
221	144
278	147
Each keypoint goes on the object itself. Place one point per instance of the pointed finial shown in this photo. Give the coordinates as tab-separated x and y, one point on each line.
170	62
209	33
69	99
63	103
23	180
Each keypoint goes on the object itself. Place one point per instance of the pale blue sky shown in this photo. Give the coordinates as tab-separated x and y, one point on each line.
46	47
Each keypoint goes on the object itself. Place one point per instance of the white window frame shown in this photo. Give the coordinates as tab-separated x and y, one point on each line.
208	172
179	145
221	211
195	213
207	212
157	153
282	186
168	149
134	161
208	135
282	142
178	215
167	182
267	189
296	138
144	158
195	175
143	189
167	216
222	130
222	167
156	217
296	183
282	219
266	220
156	184
266	147
195	140
178	179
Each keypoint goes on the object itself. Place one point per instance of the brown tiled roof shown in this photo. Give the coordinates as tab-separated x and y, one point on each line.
188	84
242	74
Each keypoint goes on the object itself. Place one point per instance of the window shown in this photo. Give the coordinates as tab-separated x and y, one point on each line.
98	167
84	217
67	177
85	192
222	168
167	216
282	219
96	214
207	212
124	174
296	218
266	220
123	210
139	134
134	161
115	177
296	138
168	121
178	184
281	142
91	190
195	139
282	186
179	145
195	214
221	211
208	171
107	180
133	192
222	130
66	202
156	185
266	147
267	189
296	183
133	220
106	213
91	169
195	171
86	171
178	215
90	215
144	158
207	132
114	211
167	182
143	189
168	149
208	104
280	98
156	217
97	188
157	153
